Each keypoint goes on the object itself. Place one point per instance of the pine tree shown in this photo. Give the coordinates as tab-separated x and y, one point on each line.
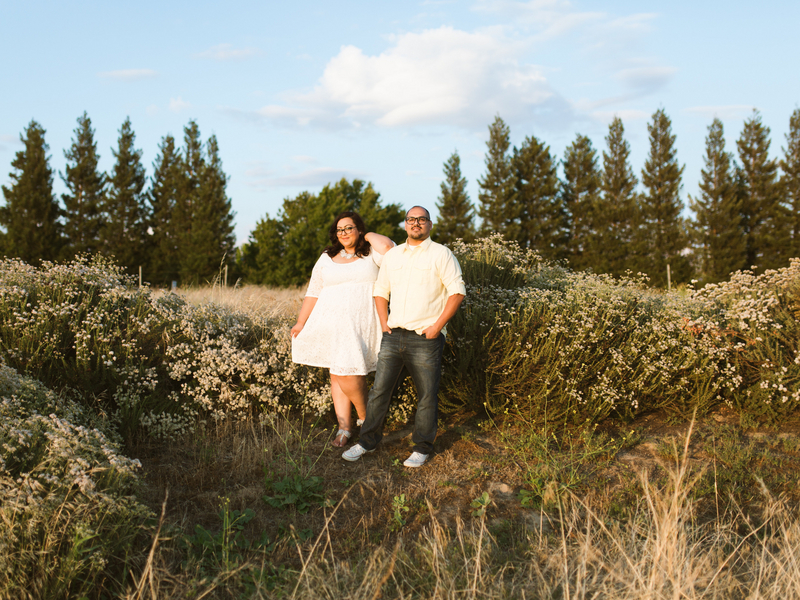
87	186
764	217
30	215
456	212
664	237
791	181
580	193
497	184
211	240
616	216
718	230
193	165
537	208
165	190
124	230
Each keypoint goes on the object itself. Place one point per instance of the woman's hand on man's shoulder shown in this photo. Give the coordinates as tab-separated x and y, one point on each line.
381	243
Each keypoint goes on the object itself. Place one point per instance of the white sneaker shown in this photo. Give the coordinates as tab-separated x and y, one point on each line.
355	452
417	459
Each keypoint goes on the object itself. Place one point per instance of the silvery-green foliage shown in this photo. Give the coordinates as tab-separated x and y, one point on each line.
66	508
151	364
536	338
759	319
228	363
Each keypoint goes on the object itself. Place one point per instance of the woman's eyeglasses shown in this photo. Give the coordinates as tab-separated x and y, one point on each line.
347	230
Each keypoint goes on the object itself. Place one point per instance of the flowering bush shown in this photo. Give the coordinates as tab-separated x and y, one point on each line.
531	337
152	364
66	509
760	322
535	338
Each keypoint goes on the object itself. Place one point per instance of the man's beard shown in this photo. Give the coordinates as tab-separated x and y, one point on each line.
419	235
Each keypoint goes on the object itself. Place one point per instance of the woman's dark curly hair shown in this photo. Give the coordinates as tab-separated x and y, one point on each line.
362	245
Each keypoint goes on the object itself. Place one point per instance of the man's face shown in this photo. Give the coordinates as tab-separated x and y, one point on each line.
415	229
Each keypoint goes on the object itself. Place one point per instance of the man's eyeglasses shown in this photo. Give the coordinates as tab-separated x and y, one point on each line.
419	220
347	230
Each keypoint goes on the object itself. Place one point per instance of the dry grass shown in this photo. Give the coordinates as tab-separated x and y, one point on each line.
262	300
665	546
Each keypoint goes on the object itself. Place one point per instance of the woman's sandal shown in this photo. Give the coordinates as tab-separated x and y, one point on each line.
341	443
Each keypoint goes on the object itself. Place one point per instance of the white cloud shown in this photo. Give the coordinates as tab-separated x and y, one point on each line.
151	110
310	178
548	18
627	115
309	160
129	74
437	77
178	104
640	23
724	112
640	81
646	79
226	52
7	141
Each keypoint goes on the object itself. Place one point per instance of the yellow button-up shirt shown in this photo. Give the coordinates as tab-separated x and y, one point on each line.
417	281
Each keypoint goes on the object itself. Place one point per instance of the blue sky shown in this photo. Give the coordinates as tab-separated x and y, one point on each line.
301	94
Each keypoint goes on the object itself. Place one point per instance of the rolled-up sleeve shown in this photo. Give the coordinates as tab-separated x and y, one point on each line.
450	273
382	287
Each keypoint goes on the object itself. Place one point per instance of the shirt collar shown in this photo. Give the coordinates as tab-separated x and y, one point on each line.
426	243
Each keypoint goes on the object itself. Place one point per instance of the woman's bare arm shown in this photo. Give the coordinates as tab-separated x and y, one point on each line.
305	311
381	243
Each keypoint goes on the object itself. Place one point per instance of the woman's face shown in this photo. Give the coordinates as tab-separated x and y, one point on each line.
347	232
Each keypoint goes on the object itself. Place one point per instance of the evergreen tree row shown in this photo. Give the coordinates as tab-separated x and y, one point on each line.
181	228
747	213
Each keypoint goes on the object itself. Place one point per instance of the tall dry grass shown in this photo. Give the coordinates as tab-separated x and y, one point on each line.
265	301
576	551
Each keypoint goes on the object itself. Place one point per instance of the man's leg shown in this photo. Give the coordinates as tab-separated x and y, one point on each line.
424	362
390	366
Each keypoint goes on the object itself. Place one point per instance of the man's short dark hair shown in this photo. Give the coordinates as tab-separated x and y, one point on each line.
427	212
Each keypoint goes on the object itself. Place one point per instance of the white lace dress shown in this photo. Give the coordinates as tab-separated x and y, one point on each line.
343	333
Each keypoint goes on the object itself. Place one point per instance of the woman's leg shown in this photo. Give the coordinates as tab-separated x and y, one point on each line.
341	403
354	387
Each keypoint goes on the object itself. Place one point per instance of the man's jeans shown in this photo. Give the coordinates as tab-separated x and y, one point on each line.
423	359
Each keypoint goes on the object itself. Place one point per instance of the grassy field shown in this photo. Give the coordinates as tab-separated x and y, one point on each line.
270	302
156	445
656	511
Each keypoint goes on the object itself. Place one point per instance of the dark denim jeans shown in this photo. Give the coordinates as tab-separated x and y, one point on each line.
423	359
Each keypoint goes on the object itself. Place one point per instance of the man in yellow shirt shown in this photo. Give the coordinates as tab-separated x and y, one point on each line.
418	290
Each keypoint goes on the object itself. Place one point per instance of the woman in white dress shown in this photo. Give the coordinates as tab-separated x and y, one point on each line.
338	326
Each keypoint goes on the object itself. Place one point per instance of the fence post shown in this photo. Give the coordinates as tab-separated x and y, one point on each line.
226	275
669	278
140	276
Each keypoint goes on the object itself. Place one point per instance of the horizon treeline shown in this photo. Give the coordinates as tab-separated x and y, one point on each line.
176	226
746	211
599	215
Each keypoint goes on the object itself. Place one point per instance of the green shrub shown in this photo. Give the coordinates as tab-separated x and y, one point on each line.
69	521
147	363
534	338
760	325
